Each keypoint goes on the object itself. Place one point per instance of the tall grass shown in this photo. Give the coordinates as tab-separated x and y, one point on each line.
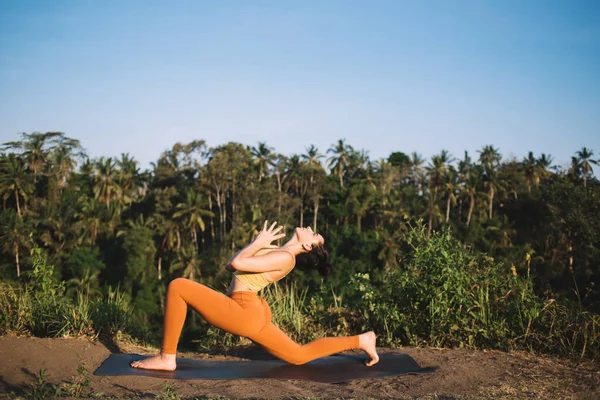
40	307
288	308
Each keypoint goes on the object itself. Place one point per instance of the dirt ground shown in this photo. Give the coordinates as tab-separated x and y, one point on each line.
461	374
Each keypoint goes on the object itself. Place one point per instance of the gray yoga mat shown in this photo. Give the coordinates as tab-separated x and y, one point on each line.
332	369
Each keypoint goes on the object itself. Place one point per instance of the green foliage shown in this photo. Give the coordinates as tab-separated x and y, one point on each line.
446	295
79	386
139	249
84	266
106	224
41	307
42	390
168	394
288	309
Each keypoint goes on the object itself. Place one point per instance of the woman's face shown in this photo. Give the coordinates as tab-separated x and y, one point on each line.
307	236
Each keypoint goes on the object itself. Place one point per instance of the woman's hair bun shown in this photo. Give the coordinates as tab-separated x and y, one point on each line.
325	269
316	258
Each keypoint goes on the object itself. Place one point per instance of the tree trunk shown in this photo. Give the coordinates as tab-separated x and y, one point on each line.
17	259
159	267
302	215
212	225
279	194
448	208
471	206
224	218
316	202
430	222
18	207
491	201
220	207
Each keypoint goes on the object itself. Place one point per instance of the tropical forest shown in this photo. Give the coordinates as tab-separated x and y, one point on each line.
478	251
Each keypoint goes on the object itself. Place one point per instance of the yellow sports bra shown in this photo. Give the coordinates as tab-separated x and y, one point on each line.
255	281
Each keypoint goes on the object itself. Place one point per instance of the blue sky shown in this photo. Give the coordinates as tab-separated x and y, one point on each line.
138	76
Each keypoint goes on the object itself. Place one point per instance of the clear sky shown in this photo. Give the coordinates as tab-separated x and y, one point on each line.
138	76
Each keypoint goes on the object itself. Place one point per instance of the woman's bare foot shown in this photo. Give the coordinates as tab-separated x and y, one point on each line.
165	362
367	342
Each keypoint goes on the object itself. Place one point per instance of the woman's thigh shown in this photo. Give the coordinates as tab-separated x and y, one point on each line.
243	318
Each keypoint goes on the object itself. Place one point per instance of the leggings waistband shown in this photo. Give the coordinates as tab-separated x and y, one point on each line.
244	295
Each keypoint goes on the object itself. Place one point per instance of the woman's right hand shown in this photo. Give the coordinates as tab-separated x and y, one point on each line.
268	235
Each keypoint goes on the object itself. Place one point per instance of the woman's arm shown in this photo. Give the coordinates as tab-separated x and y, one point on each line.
273	261
247	259
261	252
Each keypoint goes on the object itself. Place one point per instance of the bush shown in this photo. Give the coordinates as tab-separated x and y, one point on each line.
41	307
446	295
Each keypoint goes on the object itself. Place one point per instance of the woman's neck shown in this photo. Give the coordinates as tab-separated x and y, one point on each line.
293	247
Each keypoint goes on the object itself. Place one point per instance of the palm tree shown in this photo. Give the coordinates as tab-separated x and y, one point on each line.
33	149
584	157
437	171
361	196
417	170
106	187
385	176
187	261
13	236
469	178
62	159
389	251
263	158
170	239
339	159
126	178
529	164
191	212
85	283
543	164
575	169
312	156
536	169
88	220
490	160
14	181
450	186
280	163
299	176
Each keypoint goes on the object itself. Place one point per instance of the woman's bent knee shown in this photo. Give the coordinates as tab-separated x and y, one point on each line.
177	283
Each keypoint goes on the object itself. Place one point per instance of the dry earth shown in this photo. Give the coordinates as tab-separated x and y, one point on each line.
461	374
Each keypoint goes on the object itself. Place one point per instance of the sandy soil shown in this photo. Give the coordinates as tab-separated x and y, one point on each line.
461	374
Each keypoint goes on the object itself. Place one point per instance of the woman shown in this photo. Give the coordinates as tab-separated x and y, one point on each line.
243	313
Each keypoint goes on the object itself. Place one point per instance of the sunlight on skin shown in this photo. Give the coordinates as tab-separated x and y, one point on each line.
367	342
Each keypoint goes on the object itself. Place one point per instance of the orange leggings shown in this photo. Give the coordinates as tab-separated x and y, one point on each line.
242	314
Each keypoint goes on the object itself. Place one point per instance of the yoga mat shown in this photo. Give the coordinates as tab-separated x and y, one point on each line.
332	369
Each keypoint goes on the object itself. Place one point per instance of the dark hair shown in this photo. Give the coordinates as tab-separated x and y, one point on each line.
316	258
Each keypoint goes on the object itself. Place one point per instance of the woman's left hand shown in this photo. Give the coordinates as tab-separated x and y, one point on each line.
268	235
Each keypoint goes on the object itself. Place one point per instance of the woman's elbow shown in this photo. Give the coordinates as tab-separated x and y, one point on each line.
235	265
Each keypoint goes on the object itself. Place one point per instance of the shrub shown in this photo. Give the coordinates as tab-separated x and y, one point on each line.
41	307
448	295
